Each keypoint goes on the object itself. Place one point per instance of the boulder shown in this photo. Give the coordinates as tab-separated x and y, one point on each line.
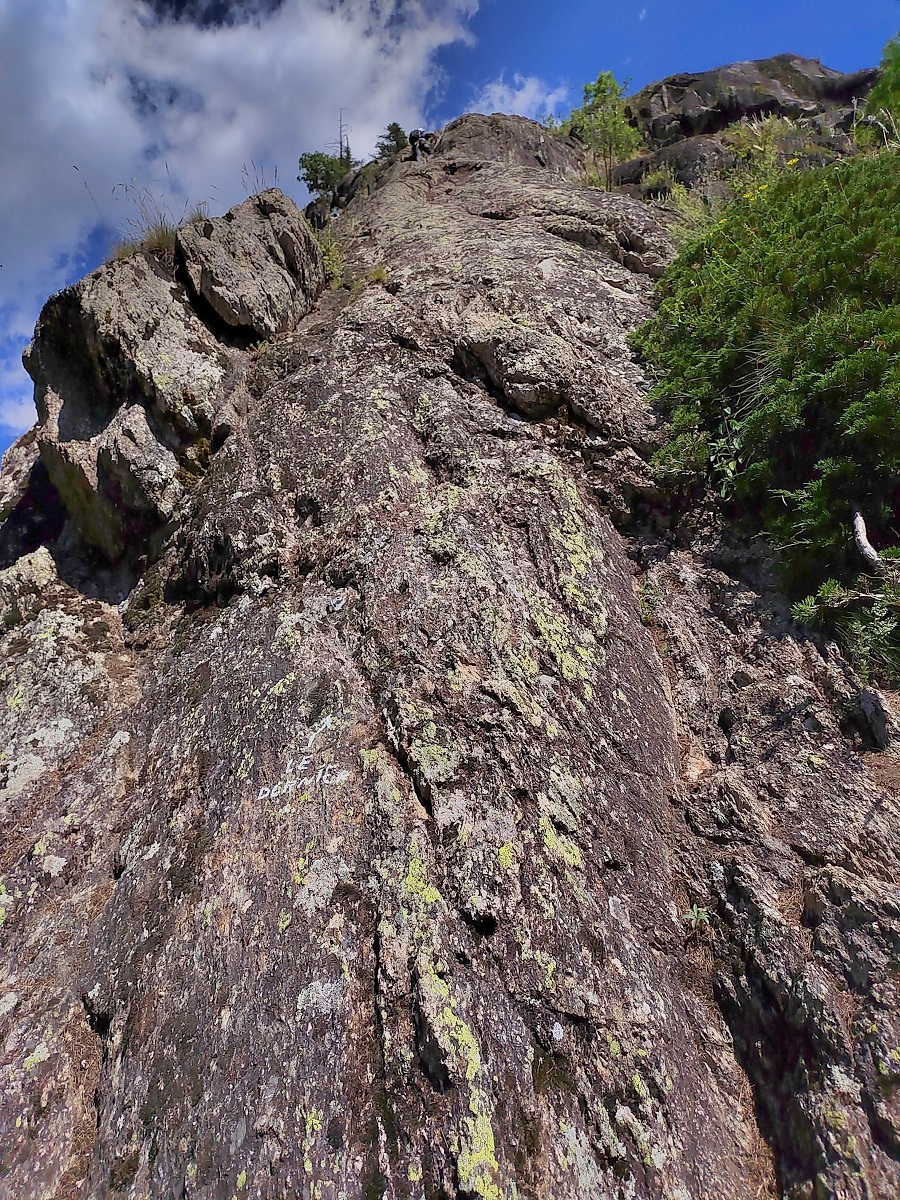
690	161
318	212
258	269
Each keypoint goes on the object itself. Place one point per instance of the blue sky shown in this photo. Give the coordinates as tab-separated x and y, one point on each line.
175	96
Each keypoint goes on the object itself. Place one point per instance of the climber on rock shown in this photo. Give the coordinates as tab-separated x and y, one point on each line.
420	142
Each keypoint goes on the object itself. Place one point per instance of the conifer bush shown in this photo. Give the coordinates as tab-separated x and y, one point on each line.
776	355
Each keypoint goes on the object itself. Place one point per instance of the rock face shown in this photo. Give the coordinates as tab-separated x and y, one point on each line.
681	117
132	386
515	141
786	85
407	830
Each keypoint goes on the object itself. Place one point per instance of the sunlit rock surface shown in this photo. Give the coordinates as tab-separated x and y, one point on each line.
377	820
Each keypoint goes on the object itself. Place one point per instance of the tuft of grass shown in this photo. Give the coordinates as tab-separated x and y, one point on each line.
255	179
197	213
659	181
152	224
157	240
379	274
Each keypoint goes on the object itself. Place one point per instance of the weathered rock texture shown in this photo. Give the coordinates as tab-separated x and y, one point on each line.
131	383
349	855
681	117
786	85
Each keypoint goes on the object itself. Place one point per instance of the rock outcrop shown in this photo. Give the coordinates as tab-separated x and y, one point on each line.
406	830
132	384
788	86
682	117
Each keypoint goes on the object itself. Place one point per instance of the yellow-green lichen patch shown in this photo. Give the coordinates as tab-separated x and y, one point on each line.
476	1164
438	763
416	882
300	866
576	551
451	1032
279	688
558	845
39	1054
569	655
506	856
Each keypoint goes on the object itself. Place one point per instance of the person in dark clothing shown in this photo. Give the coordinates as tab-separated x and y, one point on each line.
420	142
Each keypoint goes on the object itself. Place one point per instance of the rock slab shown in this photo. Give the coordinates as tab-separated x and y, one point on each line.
408	831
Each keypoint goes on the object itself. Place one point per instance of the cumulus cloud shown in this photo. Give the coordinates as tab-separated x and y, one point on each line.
175	97
526	95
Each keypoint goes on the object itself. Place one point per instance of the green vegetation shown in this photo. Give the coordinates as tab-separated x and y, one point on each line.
660	181
153	226
602	125
884	97
696	917
776	354
158	240
392	141
764	148
332	256
322	172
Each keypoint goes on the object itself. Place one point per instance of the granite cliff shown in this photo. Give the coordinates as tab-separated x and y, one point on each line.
386	810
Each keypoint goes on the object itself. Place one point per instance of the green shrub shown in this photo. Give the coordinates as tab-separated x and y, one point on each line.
332	256
661	179
762	144
776	354
697	208
885	95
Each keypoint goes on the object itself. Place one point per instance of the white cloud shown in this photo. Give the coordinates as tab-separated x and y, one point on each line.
527	96
103	86
643	13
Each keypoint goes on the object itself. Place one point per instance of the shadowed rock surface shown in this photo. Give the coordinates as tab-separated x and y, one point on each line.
349	854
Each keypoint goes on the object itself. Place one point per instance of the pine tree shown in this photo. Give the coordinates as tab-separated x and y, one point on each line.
392	141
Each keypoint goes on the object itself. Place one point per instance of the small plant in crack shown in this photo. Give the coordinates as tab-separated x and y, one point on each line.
697	918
